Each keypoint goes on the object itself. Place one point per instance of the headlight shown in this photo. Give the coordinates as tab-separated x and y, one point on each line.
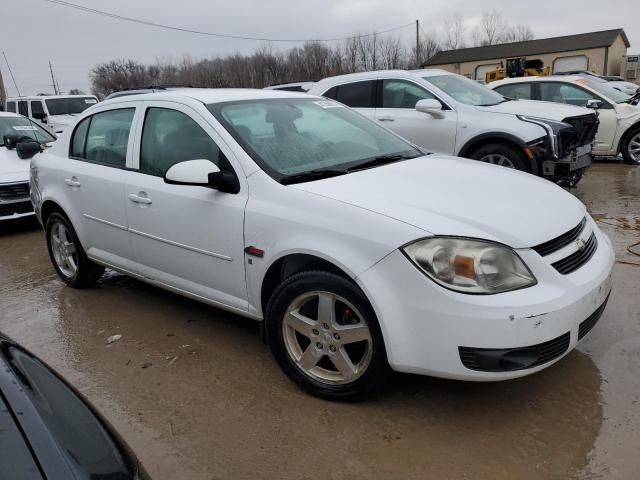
470	266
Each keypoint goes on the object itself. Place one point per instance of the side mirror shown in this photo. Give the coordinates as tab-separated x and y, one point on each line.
430	106
27	148
595	104
202	173
40	116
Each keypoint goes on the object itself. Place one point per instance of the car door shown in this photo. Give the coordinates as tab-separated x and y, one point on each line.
360	95
189	238
397	112
100	150
569	93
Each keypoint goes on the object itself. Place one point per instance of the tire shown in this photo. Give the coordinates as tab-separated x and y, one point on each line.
67	255
315	359
630	147
498	152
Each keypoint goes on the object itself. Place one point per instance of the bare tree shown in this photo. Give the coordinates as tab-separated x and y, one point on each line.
454	32
519	33
429	46
492	28
76	91
392	53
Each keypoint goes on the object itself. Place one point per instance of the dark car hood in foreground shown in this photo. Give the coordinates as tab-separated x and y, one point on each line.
64	436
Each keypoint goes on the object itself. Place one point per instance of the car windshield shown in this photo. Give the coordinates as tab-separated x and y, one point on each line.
23	127
465	90
69	105
294	136
605	90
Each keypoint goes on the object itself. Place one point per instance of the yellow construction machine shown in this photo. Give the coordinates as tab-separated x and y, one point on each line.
518	67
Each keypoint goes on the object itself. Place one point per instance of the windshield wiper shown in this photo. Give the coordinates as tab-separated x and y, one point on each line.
383	160
311	175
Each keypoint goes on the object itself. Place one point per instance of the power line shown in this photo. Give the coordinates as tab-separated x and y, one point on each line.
212	34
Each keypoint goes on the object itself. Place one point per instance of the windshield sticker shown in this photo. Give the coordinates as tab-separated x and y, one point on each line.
24	128
90	100
328	104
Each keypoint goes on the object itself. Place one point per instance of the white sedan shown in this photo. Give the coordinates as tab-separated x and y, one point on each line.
17	131
619	113
359	253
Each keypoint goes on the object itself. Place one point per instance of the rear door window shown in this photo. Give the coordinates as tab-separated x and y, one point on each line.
355	95
517	91
108	136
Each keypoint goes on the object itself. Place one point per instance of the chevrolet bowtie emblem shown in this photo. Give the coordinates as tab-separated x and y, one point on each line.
581	244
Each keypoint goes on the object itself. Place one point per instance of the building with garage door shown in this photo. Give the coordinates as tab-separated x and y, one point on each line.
600	52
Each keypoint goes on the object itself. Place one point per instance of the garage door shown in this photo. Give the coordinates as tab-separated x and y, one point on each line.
482	69
569	64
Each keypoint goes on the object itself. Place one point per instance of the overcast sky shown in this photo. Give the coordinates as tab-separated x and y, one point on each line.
34	32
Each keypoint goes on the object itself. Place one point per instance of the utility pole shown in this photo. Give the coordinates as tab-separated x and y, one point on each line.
417	43
53	80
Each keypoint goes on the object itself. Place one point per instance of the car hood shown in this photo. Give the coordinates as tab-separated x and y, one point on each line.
455	196
533	108
13	168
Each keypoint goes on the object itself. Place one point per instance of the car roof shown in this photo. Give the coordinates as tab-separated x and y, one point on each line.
10	114
552	78
209	95
428	72
46	97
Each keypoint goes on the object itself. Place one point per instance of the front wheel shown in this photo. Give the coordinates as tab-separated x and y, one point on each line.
631	148
502	155
325	336
68	257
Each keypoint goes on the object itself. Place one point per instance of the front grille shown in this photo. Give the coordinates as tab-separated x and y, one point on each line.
512	359
577	259
586	126
7	209
583	133
14	191
586	326
562	241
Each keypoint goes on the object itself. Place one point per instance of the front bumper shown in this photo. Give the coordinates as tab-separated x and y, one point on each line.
424	325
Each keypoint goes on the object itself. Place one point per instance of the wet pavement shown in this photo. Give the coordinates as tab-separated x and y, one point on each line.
197	395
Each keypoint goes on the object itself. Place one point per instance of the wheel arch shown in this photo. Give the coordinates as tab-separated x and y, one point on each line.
501	138
635	127
290	263
47	208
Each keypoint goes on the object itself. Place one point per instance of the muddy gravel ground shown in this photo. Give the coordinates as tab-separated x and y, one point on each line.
197	395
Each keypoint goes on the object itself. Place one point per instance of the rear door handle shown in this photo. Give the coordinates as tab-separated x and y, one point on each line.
72	182
386	119
141	198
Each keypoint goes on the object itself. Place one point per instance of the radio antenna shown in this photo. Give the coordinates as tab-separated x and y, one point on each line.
11	73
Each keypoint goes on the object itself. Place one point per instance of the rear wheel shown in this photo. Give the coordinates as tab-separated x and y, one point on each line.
324	335
67	255
631	148
502	155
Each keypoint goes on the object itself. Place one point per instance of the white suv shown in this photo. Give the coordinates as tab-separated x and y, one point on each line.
358	252
619	113
450	114
53	112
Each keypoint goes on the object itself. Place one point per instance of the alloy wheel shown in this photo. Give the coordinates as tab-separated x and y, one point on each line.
64	250
497	159
327	338
633	148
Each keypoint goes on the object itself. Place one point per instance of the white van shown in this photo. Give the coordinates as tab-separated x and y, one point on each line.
54	112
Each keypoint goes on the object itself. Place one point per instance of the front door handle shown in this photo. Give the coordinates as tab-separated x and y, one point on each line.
72	182
386	119
140	198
